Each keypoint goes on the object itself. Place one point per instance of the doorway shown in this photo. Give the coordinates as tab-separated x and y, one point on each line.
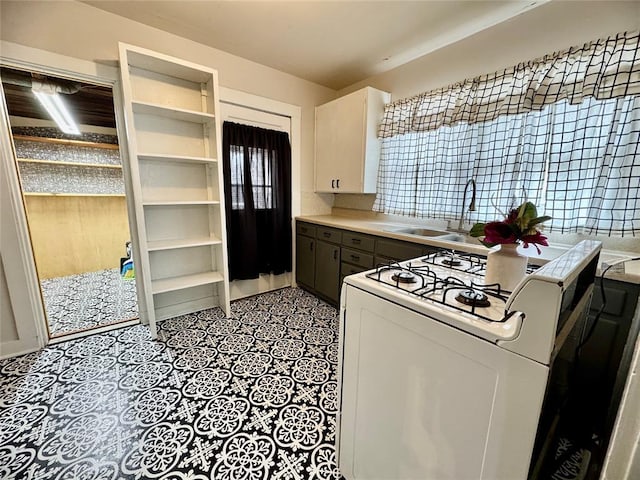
256	117
74	198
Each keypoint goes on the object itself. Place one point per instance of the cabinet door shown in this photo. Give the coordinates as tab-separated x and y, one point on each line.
305	260
340	137
327	279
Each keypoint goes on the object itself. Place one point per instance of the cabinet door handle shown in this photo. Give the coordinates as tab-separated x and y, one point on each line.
338	183
333	182
335	254
311	247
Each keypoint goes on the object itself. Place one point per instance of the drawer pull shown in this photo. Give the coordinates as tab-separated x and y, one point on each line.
355	258
356	241
326	234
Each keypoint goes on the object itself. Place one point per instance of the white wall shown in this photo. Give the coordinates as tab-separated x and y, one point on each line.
8	331
81	31
551	27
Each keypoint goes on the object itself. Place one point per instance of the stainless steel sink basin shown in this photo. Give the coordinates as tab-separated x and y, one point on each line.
423	232
427	232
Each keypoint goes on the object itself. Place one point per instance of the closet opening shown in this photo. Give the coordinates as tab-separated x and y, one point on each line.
73	191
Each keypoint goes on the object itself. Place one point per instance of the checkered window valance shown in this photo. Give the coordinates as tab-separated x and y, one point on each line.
562	131
603	69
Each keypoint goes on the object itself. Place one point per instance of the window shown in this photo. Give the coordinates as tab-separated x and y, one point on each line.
257	182
524	134
260	170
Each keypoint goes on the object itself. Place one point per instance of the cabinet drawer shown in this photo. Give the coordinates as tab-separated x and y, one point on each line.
357	240
331	235
348	269
357	258
306	229
379	261
398	250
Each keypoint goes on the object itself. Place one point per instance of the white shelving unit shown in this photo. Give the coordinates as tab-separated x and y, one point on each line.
174	135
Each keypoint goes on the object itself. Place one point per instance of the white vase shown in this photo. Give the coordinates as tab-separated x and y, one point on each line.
506	266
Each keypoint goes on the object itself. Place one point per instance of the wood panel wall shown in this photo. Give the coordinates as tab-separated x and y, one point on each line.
76	234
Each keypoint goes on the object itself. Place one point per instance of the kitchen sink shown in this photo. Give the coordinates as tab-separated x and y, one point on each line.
423	232
427	232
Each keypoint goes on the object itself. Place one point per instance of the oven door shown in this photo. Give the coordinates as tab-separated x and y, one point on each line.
423	400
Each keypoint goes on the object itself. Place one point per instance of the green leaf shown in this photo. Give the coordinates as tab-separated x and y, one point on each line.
538	220
527	212
477	230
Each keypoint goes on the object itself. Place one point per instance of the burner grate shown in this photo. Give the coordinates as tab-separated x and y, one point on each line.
427	278
461	261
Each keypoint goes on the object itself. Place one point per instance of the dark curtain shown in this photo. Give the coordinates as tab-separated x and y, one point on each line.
257	186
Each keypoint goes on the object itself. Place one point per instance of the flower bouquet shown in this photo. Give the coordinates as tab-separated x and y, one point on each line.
519	226
506	266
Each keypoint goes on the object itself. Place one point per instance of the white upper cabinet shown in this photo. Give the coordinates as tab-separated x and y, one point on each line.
347	148
174	136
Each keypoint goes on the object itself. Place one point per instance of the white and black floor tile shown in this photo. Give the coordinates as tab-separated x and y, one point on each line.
249	397
88	300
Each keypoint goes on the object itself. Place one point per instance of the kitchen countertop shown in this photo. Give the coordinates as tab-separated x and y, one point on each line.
631	272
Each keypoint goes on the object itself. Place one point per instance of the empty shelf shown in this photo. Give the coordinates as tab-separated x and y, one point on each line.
156	245
187	281
170	203
173	113
175	158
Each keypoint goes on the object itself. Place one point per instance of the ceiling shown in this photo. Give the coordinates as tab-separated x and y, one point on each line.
89	105
332	43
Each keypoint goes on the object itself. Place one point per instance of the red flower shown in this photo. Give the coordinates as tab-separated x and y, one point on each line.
499	232
520	225
512	217
535	239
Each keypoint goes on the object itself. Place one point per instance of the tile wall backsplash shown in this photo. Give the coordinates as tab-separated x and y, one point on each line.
38	178
51	178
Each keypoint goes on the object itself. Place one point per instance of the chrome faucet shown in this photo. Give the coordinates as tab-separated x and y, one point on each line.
472	205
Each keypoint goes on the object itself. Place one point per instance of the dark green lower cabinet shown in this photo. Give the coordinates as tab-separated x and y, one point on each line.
305	260
325	255
327	273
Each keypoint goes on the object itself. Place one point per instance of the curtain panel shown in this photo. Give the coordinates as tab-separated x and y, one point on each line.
578	163
602	69
257	181
564	135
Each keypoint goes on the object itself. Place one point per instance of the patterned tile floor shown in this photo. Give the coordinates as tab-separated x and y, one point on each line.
243	398
88	300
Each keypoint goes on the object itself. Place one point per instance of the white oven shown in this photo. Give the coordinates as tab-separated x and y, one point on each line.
444	377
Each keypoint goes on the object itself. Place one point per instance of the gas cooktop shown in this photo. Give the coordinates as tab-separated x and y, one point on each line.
450	278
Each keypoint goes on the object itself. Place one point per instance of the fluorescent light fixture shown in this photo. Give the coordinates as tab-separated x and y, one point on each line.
58	111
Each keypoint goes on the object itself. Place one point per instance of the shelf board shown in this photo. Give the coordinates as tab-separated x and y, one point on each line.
49	194
157	245
64	141
71	164
192	116
165	65
175	158
178	283
171	203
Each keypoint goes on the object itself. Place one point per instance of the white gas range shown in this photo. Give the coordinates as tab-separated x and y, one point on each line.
444	377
